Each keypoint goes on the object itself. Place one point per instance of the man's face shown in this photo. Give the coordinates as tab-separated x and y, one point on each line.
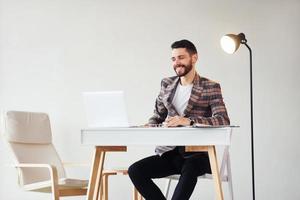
182	61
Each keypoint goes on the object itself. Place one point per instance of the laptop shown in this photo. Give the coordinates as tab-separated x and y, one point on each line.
105	109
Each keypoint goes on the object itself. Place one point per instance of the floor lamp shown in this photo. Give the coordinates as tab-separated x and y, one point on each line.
230	44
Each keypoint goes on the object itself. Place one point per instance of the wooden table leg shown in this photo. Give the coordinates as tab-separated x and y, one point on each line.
95	181
96	174
105	187
215	171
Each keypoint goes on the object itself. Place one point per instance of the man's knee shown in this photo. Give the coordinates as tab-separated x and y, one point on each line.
134	170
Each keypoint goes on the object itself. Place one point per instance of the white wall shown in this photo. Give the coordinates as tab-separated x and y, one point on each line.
51	51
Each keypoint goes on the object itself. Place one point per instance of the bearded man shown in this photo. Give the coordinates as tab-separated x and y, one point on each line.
184	99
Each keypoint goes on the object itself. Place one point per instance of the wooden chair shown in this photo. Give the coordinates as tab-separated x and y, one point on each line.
104	188
39	167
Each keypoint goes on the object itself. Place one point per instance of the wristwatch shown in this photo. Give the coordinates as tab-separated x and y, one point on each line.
192	122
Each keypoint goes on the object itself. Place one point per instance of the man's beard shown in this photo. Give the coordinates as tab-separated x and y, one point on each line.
182	69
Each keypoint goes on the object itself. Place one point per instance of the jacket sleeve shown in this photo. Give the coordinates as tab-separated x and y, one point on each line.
219	113
160	111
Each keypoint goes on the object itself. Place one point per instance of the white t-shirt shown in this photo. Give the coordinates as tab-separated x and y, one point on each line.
180	101
181	97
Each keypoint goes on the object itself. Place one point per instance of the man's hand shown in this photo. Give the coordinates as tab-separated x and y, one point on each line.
177	121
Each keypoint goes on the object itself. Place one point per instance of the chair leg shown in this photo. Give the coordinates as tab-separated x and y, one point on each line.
229	178
167	187
140	197
104	187
55	196
54	178
136	195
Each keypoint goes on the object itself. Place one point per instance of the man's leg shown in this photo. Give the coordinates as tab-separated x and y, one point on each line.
142	172
191	169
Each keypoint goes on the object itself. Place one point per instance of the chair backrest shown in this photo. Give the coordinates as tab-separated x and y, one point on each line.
29	136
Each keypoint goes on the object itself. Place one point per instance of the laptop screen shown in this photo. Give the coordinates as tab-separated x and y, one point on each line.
105	109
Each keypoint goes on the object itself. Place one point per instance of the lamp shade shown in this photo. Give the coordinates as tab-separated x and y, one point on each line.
231	42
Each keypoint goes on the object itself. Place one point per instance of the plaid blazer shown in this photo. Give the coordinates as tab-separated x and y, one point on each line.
205	105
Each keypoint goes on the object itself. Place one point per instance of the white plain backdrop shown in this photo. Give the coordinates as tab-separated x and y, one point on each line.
52	51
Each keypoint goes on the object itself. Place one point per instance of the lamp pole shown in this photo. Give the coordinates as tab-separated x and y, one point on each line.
251	109
244	41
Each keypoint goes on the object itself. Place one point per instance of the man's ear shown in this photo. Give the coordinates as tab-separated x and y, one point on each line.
194	58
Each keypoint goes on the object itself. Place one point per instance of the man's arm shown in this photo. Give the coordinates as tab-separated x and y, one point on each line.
160	111
218	109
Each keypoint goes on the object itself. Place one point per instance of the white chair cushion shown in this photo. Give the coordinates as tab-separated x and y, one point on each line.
28	127
64	183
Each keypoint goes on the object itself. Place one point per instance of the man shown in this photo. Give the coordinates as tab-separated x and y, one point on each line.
183	100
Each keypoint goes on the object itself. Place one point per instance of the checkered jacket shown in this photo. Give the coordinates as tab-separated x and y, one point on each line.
205	105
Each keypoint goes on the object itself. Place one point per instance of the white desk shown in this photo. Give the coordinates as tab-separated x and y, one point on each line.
117	139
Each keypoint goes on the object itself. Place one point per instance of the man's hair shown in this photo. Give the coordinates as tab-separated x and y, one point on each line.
190	47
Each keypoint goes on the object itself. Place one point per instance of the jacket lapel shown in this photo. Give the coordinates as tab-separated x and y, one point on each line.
169	95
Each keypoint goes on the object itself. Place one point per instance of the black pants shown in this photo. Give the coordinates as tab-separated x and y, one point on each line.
170	163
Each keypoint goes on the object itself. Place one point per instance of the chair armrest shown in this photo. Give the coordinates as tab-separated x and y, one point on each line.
34	165
52	169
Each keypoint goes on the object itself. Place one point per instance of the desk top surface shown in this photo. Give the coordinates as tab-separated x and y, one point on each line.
206	135
142	128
